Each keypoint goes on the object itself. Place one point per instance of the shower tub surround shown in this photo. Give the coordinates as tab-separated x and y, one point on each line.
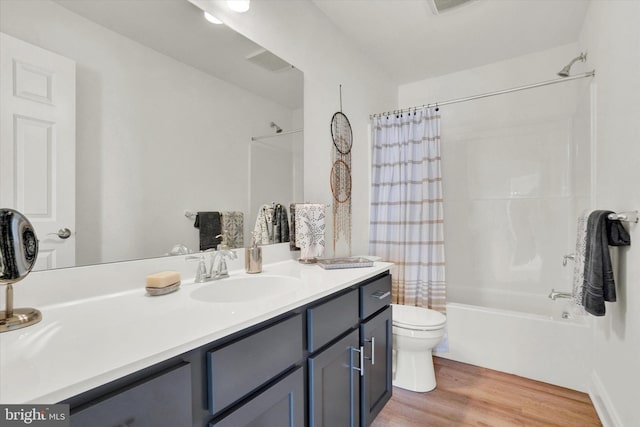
519	210
99	325
517	171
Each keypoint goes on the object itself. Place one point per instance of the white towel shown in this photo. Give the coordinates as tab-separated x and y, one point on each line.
578	267
310	229
263	229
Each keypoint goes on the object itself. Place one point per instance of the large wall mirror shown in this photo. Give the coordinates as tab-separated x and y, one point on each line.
161	107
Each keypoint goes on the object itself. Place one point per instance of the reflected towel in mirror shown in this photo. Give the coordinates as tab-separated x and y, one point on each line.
293	246
233	225
210	226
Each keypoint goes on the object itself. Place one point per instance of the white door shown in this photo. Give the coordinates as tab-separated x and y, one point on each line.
37	144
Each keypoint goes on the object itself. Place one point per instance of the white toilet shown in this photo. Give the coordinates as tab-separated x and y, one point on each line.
416	331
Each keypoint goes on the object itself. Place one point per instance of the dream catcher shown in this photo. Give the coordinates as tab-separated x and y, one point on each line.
341	176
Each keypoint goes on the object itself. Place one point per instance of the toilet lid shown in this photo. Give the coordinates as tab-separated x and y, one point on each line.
417	317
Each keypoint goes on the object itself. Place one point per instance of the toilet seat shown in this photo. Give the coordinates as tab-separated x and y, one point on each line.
417	318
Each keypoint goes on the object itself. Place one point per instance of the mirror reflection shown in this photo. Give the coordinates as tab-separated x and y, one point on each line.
122	119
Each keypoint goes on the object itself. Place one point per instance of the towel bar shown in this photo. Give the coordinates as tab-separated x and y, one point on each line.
625	216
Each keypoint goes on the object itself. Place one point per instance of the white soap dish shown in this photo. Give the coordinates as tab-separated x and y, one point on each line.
154	292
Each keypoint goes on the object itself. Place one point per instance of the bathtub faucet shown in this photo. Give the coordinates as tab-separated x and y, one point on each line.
555	295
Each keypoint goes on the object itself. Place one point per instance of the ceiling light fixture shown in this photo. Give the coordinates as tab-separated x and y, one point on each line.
239	6
209	17
439	6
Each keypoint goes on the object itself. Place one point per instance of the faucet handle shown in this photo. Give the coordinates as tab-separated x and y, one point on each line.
220	260
224	243
201	272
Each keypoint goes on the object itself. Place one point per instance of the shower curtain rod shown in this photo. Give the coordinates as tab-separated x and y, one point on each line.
286	132
486	95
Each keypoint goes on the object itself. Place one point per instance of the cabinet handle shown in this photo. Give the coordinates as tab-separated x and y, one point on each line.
361	368
373	349
381	294
353	399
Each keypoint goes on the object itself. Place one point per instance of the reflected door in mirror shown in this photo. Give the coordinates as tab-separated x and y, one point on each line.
37	144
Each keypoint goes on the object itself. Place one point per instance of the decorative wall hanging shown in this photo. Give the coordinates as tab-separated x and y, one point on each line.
340	178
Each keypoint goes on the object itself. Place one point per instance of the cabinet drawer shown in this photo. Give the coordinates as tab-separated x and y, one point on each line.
240	367
163	400
328	320
282	404
375	296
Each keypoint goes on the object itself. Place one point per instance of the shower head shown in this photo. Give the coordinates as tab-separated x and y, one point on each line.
565	71
278	128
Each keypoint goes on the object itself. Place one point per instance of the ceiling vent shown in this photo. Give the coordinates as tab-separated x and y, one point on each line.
439	6
267	60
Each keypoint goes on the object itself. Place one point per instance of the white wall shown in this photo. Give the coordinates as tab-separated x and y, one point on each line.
155	137
507	167
299	33
611	35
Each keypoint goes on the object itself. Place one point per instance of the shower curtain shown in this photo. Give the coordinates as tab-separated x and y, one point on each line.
407	225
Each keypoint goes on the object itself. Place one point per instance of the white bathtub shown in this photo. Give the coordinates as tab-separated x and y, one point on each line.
525	335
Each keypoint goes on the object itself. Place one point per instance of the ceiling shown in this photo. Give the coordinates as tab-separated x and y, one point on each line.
410	42
214	49
403	37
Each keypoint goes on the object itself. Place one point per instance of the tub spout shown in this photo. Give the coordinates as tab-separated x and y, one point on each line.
555	295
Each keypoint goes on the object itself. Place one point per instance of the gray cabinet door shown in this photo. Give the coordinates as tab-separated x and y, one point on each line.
163	400
334	384
281	405
376	383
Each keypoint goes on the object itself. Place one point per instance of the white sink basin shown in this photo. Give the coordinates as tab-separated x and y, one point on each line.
246	288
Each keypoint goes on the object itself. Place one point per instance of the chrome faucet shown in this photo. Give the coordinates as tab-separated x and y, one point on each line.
219	260
555	295
217	265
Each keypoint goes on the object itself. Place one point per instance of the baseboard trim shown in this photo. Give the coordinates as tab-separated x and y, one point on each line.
602	402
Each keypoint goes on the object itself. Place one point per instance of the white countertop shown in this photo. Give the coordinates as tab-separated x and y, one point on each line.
82	344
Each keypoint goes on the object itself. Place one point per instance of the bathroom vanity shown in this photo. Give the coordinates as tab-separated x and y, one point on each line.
315	352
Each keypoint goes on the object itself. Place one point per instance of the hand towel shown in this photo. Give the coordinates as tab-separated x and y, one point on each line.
578	266
233	225
210	226
310	229
280	224
292	230
617	234
263	229
599	284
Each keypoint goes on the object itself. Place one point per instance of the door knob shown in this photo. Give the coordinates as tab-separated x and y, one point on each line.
63	233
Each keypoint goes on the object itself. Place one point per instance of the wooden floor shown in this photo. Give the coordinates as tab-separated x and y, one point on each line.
467	395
